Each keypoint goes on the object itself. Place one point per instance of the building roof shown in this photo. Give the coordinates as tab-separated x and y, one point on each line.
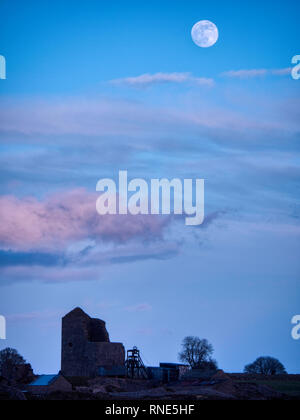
172	365
77	312
44	380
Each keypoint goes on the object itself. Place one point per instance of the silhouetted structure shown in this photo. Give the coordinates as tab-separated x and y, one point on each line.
86	348
135	366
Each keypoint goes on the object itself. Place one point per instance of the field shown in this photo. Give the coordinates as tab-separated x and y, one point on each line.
288	384
221	386
291	388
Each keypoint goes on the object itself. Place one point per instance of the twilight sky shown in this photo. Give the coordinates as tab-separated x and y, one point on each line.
95	87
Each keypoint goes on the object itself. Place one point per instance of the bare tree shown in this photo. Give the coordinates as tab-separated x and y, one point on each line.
266	366
9	360
197	353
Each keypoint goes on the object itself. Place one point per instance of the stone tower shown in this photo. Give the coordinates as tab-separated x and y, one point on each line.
86	346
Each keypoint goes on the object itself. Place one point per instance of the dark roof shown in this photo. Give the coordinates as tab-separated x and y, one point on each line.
77	312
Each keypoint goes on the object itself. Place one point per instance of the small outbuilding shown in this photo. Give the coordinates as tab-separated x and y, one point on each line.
46	384
168	372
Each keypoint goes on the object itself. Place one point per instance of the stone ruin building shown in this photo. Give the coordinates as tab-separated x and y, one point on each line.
86	348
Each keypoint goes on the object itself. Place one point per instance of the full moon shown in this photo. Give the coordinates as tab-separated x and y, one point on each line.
205	34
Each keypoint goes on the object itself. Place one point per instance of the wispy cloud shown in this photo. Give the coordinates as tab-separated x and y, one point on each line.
75	267
137	251
281	72
159	256
141	307
115	121
254	73
146	332
51	275
146	80
34	316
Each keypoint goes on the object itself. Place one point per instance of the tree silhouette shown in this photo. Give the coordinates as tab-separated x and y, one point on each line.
197	353
9	360
266	366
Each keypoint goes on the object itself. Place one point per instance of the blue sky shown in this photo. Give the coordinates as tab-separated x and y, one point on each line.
96	87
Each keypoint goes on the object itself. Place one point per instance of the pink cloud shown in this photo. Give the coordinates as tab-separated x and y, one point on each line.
142	122
142	307
34	316
58	275
58	220
146	331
